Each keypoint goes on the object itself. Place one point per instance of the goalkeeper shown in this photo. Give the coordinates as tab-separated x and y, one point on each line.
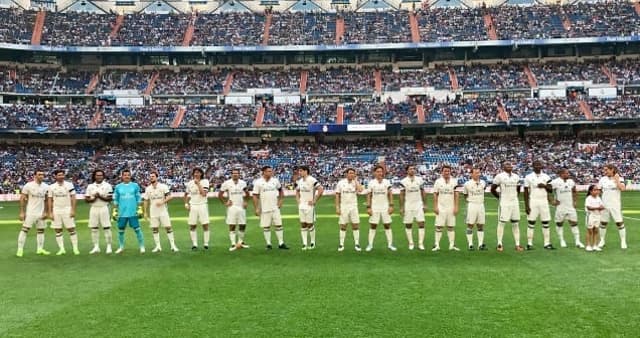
128	209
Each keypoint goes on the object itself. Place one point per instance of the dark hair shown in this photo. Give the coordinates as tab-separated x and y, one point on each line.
445	166
612	167
93	174
58	171
378	167
154	172
348	170
563	169
125	171
475	168
591	188
304	167
198	170
35	172
235	169
265	168
409	166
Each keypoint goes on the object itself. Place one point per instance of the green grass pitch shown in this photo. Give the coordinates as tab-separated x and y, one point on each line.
251	292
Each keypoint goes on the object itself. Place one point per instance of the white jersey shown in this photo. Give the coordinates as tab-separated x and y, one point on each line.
235	191
508	184
307	189
194	192
536	193
36	194
413	188
593	202
103	189
62	194
475	191
154	195
348	193
564	191
446	192
379	194
610	192
269	192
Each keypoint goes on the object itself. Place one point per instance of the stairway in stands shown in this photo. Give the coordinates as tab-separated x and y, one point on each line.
38	26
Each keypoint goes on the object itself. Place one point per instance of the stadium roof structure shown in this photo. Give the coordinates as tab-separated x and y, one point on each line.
10	4
374	5
449	3
519	2
305	6
159	7
83	6
232	6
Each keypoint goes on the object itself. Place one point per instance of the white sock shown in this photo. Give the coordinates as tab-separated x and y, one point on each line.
303	233
280	235
356	237
156	239
530	233
194	237
546	235
95	237
515	228
623	234
438	237
500	232
603	233
232	237
469	237
74	240
60	241
576	233
389	235
372	236
241	236
343	235
267	236
22	238
560	232
480	234
409	232
312	234
421	236
172	239
452	238
107	236
39	240
207	235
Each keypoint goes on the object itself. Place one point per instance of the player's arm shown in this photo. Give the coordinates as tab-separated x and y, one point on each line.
107	198
23	203
280	197
337	199
221	197
49	207
401	198
74	201
202	190
574	196
465	192
186	198
88	198
369	195
619	184
319	193
494	191
390	197
256	196
527	208
435	202
297	195
145	206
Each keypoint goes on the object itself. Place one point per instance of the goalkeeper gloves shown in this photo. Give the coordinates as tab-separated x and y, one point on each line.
114	214
139	212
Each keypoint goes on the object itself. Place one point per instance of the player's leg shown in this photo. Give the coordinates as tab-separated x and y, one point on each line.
616	214
531	226
545	219
515	226
233	238
480	221
604	221
304	229
94	228
408	227
154	223
590	238
134	222
421	235
279	230
193	226
342	235
265	224
105	222
469	233
311	225
41	225
373	225
470	221
70	224
56	225
242	227
439	225
165	222
560	216
22	237
502	219
386	223
354	218
594	239
122	224
451	233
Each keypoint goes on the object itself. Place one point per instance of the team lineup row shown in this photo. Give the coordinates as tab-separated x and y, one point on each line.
57	202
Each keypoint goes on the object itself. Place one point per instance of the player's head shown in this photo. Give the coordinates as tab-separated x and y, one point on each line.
350	173
378	172
594	190
38	176
267	172
411	170
97	176
303	170
58	174
507	167
235	174
125	175
610	170
537	166
153	177
475	174
197	173
446	171
563	173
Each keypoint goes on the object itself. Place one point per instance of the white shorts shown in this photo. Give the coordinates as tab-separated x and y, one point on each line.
508	213
199	214
307	216
270	218
236	215
614	214
60	219
349	215
376	216
30	220
539	209
475	213
413	215
593	221
99	216
156	222
445	218
564	213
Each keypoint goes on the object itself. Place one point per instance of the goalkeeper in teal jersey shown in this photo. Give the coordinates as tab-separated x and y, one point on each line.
128	199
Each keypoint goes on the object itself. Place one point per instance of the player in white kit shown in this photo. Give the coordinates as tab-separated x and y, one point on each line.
413	205
594	208
237	193
537	192
267	201
33	211
156	197
62	210
380	206
346	196
99	194
195	200
566	198
612	185
473	191
509	207
445	206
308	192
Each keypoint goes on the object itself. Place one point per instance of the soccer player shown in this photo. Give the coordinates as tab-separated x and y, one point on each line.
612	185
267	201
445	206
127	199
380	206
537	189
236	203
61	199
99	194
308	192
347	191
566	197
474	194
412	205
509	207
33	197
594	207
156	197
195	200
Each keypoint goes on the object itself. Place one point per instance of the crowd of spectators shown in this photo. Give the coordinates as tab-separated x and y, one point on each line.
45	117
543	110
499	76
394	80
190	82
229	29
286	80
125	80
16	25
620	108
77	29
211	116
610	18
551	73
376	27
626	72
43	81
450	24
152	30
341	80
302	28
462	111
529	22
157	116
